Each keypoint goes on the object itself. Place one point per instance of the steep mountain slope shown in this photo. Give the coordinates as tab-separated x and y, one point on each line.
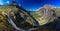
48	17
46	14
15	17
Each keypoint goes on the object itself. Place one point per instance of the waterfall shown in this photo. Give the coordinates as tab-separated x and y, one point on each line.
12	23
15	26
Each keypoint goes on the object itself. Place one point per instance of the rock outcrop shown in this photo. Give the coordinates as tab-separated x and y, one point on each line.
14	17
46	14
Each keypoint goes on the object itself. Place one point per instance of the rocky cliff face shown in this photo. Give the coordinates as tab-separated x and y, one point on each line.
14	17
46	14
48	17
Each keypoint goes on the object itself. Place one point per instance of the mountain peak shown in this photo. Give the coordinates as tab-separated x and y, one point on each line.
48	6
47	14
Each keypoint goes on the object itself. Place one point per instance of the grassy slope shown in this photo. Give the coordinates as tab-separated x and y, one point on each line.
51	26
11	10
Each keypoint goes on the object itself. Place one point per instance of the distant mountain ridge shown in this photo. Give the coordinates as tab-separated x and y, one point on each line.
46	14
48	17
14	17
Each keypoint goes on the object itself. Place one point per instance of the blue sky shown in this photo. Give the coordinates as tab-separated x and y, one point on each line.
33	4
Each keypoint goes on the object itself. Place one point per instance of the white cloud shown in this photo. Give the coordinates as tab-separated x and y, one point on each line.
7	2
1	3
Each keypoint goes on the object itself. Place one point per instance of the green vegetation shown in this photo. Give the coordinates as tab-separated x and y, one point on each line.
57	10
23	15
12	10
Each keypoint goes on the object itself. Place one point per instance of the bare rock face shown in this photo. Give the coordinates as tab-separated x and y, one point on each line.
47	14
